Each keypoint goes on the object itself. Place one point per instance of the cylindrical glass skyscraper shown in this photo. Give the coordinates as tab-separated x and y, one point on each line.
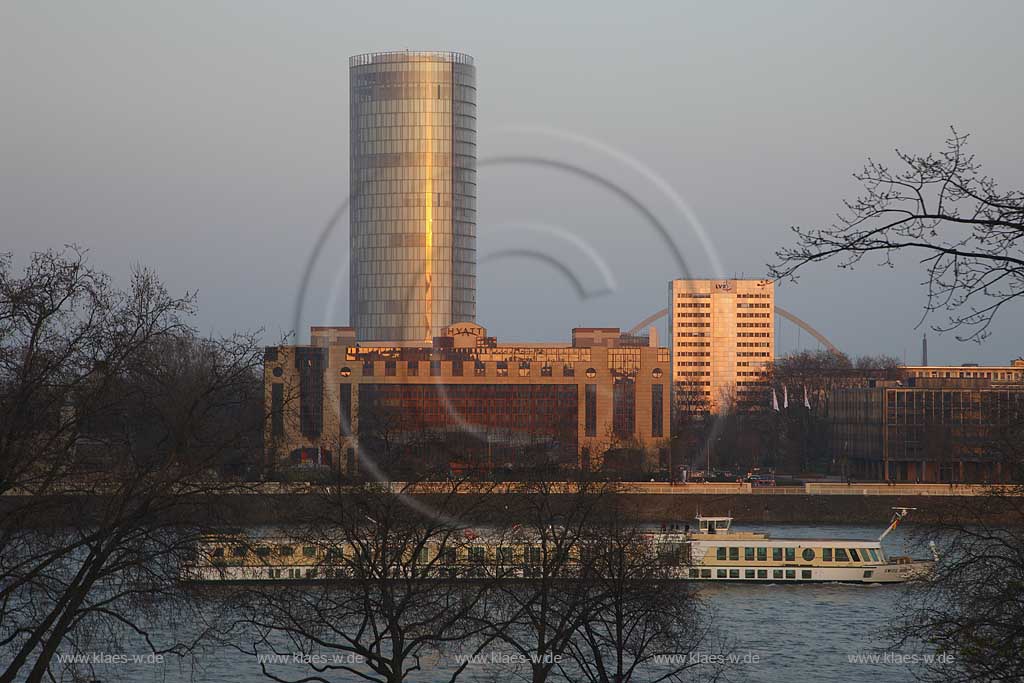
413	189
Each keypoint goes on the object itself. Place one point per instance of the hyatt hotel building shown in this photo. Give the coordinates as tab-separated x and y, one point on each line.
604	390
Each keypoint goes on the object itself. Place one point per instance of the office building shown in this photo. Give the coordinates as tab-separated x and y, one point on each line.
413	194
722	336
575	402
937	424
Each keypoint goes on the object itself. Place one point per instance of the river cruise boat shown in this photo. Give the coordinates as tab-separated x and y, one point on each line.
711	551
717	553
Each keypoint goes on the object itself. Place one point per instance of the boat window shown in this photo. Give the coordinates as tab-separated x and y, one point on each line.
238	551
854	555
762	554
218	552
694	573
808	554
705	573
503	555
762	573
722	573
308	551
422	555
826	554
777	554
790	554
451	555
790	573
534	554
841	555
722	524
720	552
263	551
748	554
335	554
285	550
868	573
776	573
734	573
805	573
734	553
477	553
748	574
874	555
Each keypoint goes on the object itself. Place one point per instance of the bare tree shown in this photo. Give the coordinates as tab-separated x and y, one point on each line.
648	623
967	233
114	422
394	594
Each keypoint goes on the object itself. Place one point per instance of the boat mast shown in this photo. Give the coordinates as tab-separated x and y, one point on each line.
897	516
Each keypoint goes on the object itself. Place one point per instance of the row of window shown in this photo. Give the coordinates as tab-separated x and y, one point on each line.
788	554
750	574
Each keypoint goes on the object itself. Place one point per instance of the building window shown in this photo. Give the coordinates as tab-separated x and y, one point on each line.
623	407
435	368
277	409
456	368
656	373
479	369
502	368
657	407
590	410
346	371
568	370
367	368
390	368
278	372
413	368
545	371
524	368
345	400
591	373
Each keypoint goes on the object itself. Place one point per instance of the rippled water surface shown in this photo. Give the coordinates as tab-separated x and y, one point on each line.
776	632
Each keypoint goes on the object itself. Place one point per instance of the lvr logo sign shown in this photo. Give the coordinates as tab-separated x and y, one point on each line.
725	286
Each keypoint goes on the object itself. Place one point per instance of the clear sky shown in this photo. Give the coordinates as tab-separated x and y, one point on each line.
209	140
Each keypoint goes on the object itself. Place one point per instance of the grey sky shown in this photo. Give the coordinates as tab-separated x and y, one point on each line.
210	141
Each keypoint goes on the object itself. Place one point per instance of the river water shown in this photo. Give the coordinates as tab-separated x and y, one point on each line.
810	632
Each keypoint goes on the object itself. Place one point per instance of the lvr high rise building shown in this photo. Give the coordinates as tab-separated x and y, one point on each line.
413	189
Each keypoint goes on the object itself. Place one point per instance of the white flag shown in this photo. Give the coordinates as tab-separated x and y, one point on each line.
785	396
775	400
807	402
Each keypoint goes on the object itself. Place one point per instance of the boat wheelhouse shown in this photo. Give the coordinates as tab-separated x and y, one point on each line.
720	554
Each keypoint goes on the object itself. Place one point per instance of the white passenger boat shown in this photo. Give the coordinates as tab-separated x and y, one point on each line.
717	553
710	552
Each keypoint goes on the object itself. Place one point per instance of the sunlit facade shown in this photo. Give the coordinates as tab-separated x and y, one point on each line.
722	339
413	189
604	392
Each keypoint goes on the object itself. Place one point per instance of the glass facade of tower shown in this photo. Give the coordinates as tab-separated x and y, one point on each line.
413	189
